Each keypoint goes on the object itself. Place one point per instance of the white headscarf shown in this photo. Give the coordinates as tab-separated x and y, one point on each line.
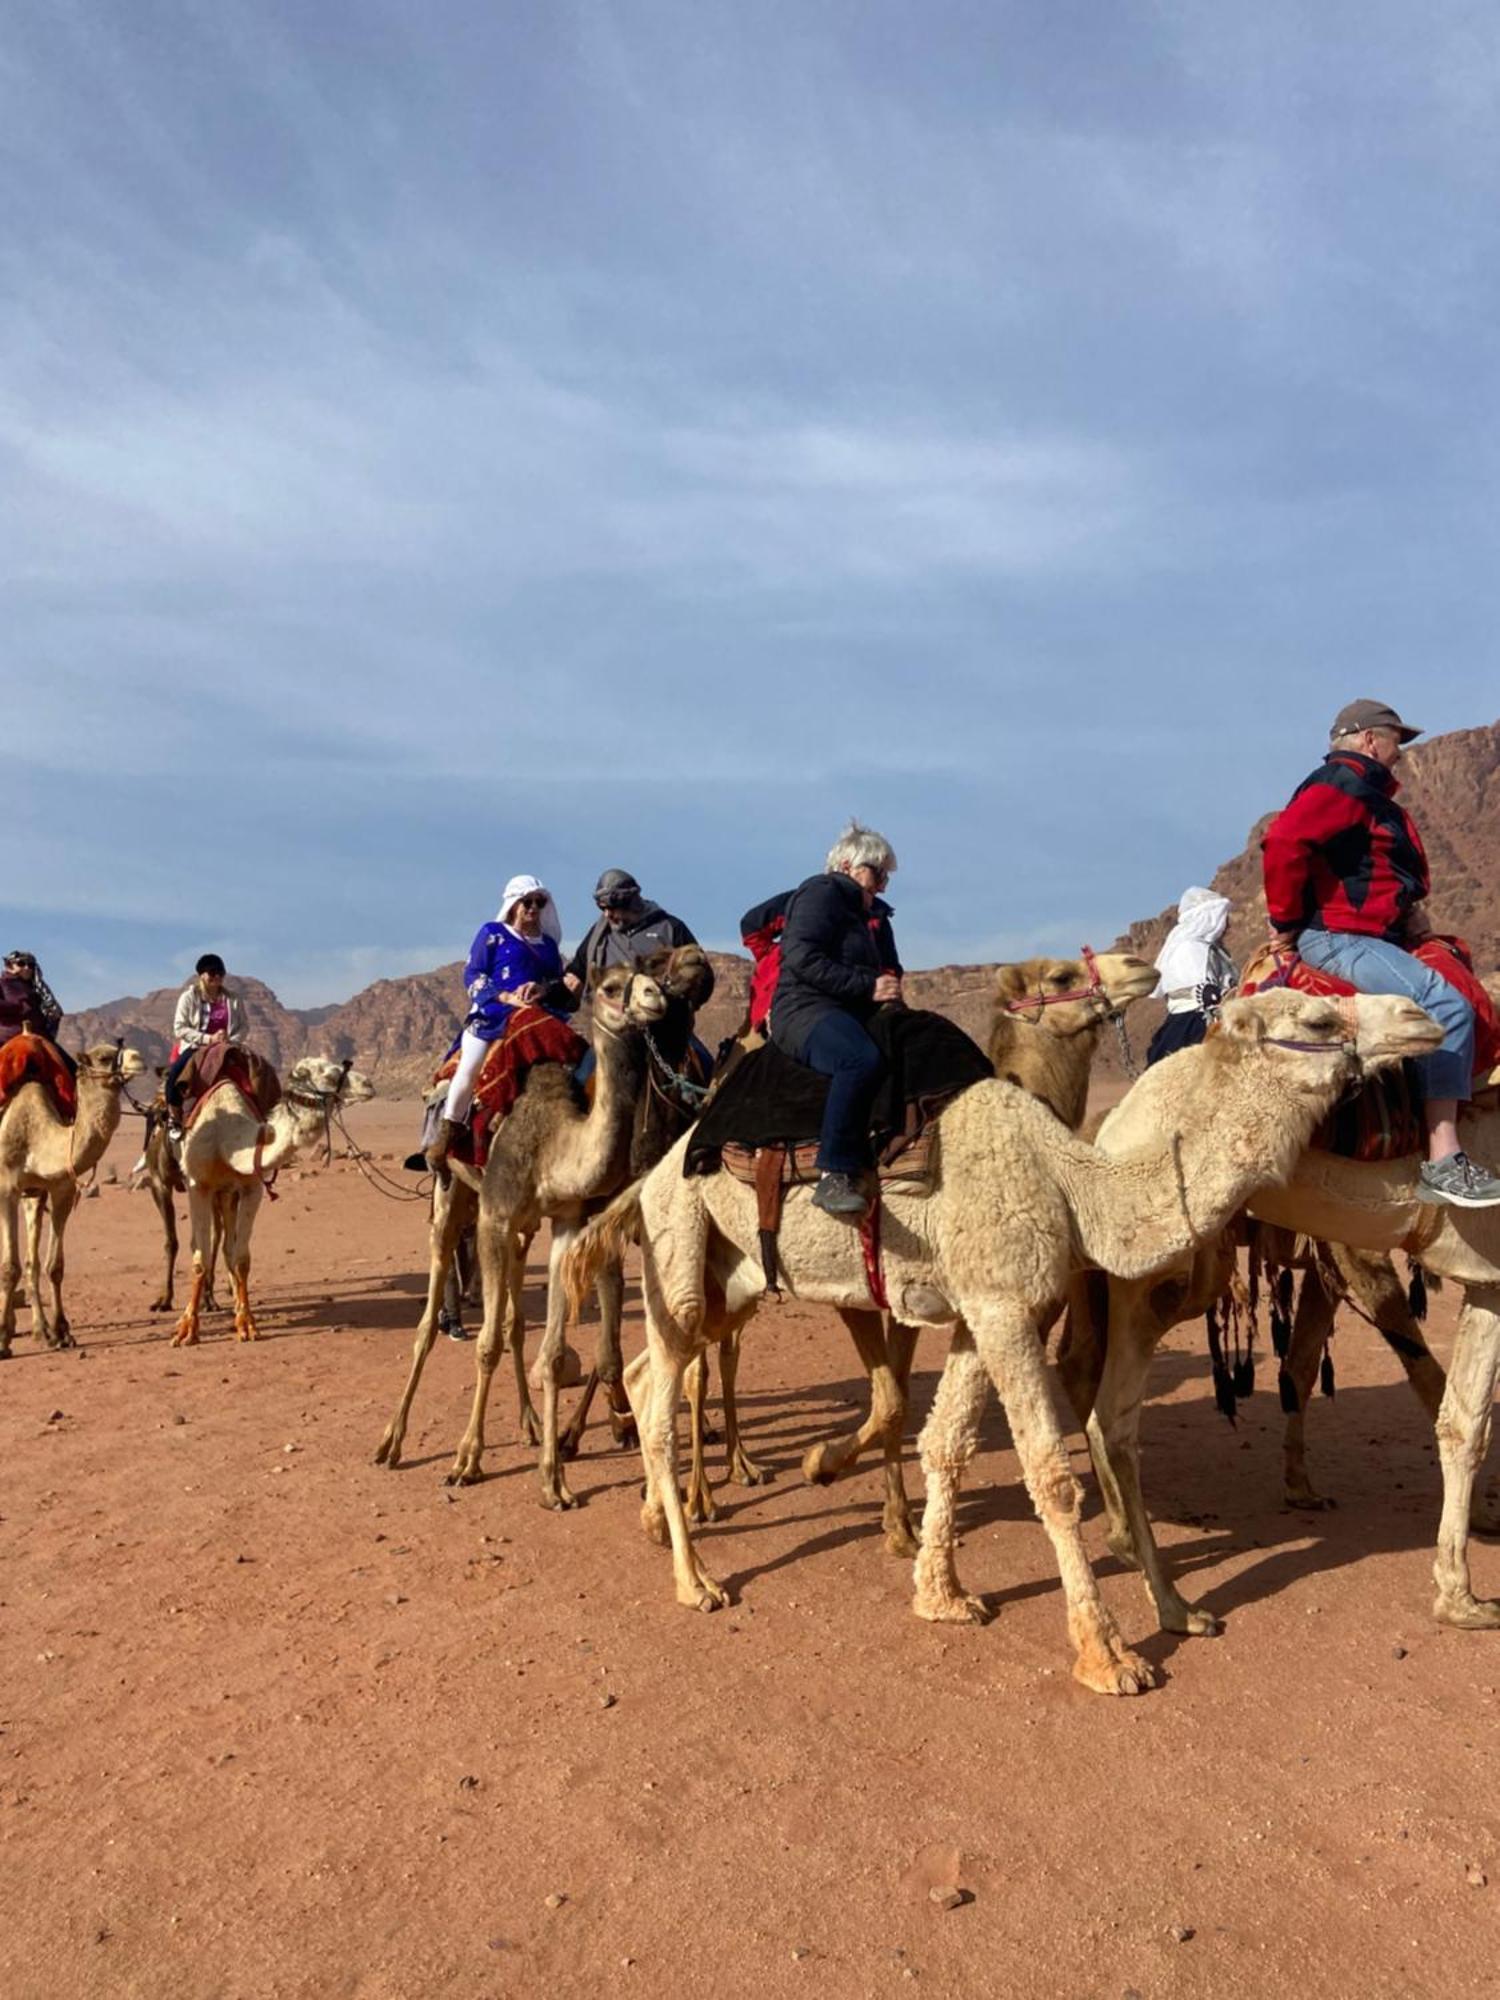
528	885
1186	957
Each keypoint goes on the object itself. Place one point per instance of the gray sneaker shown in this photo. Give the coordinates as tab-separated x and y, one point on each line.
840	1194
1459	1181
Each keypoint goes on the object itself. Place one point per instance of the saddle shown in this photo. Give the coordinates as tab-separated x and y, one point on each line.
28	1058
1382	1118
218	1064
532	1036
762	1125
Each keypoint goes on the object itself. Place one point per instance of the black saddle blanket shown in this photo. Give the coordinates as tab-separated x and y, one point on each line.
769	1099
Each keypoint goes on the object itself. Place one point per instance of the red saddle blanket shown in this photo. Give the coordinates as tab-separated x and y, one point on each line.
220	1063
532	1035
28	1058
1382	1120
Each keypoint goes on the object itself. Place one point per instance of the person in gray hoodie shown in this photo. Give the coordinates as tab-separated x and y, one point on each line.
627	931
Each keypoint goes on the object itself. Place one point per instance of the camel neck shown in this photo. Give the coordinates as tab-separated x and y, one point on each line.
1049	1065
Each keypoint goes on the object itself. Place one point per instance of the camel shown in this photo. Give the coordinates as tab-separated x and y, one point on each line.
43	1159
226	1154
1049	1016
1017	1205
549	1157
163	1177
1105	1365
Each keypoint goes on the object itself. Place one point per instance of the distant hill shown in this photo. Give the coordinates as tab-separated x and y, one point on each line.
395	1029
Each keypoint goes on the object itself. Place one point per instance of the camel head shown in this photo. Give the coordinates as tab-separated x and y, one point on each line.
1316	1041
322	1077
1065	994
623	997
682	973
110	1064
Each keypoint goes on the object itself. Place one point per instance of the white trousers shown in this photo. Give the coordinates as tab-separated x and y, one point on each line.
471	1054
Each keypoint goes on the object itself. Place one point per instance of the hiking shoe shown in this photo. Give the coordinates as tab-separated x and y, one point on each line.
840	1194
1459	1181
455	1329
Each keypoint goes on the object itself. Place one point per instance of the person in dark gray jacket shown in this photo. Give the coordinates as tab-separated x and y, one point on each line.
838	963
627	931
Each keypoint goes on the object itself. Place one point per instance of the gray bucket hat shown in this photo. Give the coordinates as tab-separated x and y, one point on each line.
1357	715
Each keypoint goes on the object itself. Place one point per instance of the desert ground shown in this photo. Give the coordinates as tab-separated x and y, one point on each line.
277	1722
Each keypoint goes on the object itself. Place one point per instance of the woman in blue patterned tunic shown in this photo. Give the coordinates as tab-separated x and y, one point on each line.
513	962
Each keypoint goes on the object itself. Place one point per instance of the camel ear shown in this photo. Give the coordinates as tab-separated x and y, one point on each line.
656	965
596	973
1010	982
1241	1021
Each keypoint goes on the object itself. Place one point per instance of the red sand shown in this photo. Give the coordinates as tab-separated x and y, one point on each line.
275	1721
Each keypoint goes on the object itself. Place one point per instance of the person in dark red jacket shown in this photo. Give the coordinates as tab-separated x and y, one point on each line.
838	963
1346	880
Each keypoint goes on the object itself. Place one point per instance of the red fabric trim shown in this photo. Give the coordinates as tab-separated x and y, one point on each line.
532	1035
28	1058
869	1242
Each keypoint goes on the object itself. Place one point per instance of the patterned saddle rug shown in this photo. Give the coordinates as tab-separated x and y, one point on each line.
532	1036
28	1058
211	1069
1382	1120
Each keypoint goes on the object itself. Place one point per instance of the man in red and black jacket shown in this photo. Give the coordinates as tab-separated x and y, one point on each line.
1346	878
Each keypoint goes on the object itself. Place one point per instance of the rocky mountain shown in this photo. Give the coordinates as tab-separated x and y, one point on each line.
396	1028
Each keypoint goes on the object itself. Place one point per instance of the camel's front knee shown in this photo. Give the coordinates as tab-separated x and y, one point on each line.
1056	1494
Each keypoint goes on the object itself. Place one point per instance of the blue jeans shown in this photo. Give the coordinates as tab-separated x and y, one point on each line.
1372	965
838	1047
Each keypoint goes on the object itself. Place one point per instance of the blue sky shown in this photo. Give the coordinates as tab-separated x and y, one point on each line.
439	441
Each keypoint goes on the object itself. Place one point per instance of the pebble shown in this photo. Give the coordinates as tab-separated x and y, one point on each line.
179	1419
395	1598
1181	1933
606	1701
555	1901
1476	1878
1398	1652
945	1899
468	1783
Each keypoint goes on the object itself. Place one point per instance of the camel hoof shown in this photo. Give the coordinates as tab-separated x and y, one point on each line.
1468	1614
531	1427
701	1506
745	1472
1311	1503
160	1306
1127	1674
705	1595
654	1525
625	1434
567	1447
557	1499
959	1610
900	1540
815	1466
465	1474
388	1451
1192	1622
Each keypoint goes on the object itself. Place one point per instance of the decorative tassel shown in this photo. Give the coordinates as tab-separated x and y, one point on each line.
1416	1290
1286	1389
1244	1375
1325	1372
1281	1315
1223	1382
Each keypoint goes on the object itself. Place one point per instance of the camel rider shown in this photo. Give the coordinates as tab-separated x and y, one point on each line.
514	961
1346	880
838	963
627	931
1196	972
206	1012
28	1005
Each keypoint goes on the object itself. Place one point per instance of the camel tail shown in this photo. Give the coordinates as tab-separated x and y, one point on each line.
602	1241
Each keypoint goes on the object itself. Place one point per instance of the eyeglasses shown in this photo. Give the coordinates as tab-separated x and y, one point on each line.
616	899
877	875
533	902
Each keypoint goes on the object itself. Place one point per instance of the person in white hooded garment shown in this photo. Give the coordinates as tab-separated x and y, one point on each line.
514	962
1195	972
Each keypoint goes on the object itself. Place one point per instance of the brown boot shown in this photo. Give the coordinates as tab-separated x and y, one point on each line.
437	1152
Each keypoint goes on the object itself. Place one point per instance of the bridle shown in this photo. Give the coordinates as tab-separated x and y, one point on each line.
325	1101
1094	992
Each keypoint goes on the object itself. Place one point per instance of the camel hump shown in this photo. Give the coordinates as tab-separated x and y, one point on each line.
28	1058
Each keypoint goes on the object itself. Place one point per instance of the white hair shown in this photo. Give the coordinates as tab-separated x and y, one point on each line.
860	847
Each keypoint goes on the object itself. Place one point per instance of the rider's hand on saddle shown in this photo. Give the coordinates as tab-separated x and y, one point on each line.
530	993
573	983
888	986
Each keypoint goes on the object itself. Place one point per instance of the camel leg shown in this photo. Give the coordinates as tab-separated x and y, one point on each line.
35	1208
200	1216
447	1224
1114	1441
166	1208
10	1268
949	1440
743	1469
502	1264
49	1318
1371	1282
700	1494
1311	1325
668	1349
215	1253
1006	1336
885	1424
607	1366
555	1490
236	1223
528	1422
1463	1435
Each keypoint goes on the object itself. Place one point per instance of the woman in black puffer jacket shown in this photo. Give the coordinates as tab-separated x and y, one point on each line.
838	963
